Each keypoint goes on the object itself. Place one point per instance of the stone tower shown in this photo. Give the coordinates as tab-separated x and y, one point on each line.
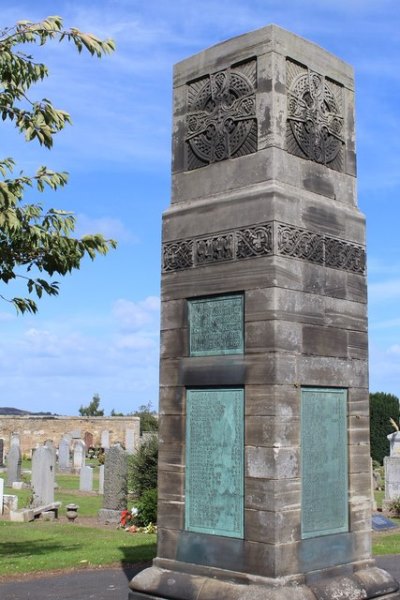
264	466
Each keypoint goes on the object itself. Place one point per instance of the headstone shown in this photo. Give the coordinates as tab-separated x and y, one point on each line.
374	504
76	434
1	495
64	458
13	464
1	452
15	440
392	477
88	439
101	479
264	483
394	439
43	474
115	484
86	479
130	440
79	453
105	439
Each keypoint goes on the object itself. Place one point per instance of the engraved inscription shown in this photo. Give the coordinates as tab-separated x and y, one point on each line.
216	325
315	121
221	120
214	462
324	508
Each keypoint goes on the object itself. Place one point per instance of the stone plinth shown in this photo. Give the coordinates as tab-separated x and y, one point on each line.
264	465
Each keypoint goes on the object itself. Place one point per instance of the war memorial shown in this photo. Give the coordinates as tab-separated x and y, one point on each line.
264	465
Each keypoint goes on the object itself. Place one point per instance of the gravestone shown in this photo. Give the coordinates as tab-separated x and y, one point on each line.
392	477
79	454
1	495
130	440
394	439
101	479
264	465
13	464
105	439
115	484
1	452
88	439
86	479
43	476
64	457
15	440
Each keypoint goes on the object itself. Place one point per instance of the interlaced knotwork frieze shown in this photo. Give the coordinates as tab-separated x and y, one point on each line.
315	117
177	255
257	240
221	119
254	241
300	244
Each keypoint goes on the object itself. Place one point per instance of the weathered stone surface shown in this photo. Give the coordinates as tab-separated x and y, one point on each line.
115	479
43	476
276	222
86	479
13	464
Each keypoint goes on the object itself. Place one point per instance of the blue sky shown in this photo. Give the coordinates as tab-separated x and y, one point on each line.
101	334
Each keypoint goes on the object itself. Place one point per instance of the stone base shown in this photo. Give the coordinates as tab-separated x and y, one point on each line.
163	584
107	515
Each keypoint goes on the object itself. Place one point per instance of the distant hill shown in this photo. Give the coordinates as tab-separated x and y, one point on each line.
16	412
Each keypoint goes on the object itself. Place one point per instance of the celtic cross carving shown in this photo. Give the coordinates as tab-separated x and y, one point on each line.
315	122
221	121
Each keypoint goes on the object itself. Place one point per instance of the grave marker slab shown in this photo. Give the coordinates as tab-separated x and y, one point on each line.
79	454
115	484
13	464
43	476
86	479
64	458
1	452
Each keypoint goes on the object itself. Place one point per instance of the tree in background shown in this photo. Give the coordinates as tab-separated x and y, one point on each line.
383	407
92	409
148	418
35	243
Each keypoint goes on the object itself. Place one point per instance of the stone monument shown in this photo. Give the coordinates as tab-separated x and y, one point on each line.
79	455
1	452
43	475
64	456
392	470
14	462
115	486
264	466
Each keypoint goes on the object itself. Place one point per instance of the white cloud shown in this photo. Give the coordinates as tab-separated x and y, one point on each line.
111	228
135	315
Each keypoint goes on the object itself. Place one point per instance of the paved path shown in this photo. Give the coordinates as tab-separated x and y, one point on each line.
106	584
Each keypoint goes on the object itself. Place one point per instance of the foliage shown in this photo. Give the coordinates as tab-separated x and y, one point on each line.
142	468
92	409
383	407
147	508
36	243
148	418
393	507
114	413
44	545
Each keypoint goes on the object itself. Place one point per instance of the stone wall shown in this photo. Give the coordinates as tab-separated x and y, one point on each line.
35	430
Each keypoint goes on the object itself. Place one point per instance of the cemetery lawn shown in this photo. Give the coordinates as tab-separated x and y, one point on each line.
47	546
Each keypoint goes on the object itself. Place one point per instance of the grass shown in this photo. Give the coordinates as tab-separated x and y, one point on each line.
45	546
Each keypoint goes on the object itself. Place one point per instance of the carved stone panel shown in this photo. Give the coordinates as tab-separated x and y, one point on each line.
214	462
315	116
221	121
324	471
216	325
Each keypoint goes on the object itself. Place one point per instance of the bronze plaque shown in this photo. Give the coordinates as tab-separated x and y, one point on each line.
216	325
214	461
324	472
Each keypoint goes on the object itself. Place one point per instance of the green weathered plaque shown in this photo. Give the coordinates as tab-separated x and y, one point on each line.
216	325
214	461
324	473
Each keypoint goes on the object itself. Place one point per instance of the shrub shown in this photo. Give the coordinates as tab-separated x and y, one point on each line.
142	468
147	508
